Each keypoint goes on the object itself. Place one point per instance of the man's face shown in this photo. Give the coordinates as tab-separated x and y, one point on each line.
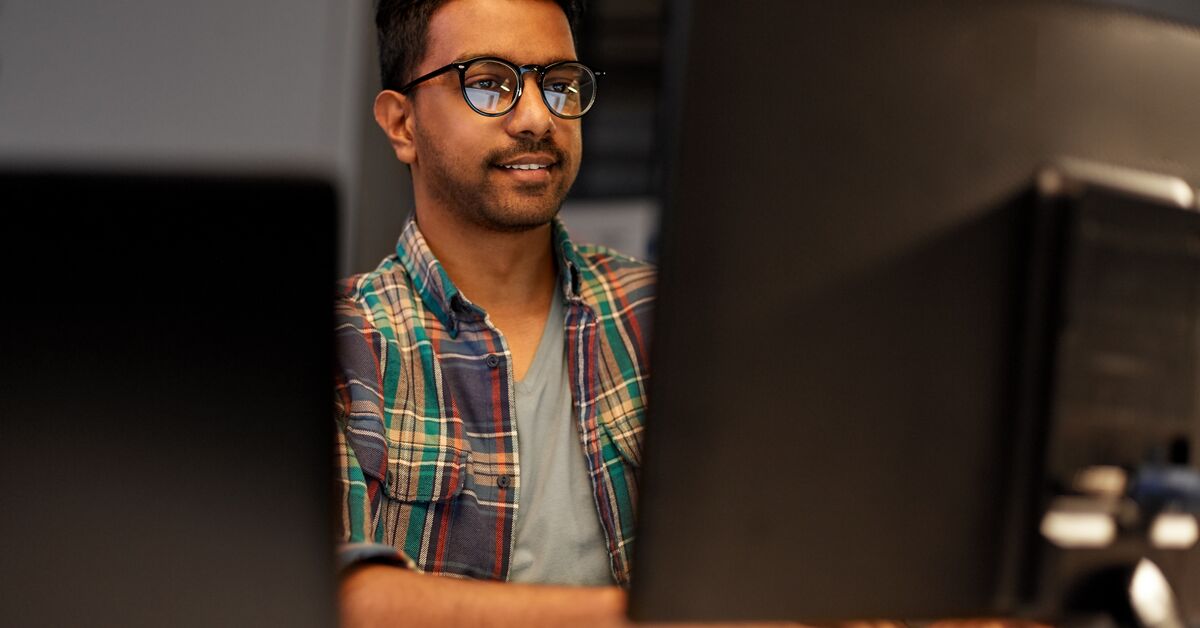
460	156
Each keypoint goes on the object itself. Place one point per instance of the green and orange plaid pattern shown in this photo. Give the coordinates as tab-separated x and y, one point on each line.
428	469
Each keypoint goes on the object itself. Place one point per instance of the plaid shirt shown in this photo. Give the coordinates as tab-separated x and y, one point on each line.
428	471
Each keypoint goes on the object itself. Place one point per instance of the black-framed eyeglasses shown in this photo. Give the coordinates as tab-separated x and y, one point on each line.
492	86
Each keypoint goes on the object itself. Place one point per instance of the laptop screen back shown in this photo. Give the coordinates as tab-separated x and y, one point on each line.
165	444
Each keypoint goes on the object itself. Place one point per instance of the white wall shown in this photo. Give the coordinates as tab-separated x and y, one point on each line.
628	225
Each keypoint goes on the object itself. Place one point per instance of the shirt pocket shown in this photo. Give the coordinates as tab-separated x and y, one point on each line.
426	472
624	428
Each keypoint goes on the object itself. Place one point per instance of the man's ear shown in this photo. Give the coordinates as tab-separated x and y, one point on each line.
393	114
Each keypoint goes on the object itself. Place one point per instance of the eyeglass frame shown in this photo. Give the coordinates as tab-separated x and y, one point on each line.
522	70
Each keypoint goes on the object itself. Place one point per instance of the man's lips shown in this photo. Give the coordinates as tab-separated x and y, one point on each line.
532	167
527	161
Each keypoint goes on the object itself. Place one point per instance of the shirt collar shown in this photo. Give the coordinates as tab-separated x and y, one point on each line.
443	298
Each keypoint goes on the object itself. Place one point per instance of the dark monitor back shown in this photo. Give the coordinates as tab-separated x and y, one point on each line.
164	400
841	281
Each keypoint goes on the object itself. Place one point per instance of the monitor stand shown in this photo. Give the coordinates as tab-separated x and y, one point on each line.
1110	422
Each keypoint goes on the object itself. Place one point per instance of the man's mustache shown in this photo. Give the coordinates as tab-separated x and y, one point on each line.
524	147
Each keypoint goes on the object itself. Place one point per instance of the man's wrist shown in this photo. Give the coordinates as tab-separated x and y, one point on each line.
374	594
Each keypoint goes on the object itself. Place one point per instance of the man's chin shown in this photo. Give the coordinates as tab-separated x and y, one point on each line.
516	221
509	208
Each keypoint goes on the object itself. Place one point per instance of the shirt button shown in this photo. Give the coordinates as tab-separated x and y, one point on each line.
504	481
493	361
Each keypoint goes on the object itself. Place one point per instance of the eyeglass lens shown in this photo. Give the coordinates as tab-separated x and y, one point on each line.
567	89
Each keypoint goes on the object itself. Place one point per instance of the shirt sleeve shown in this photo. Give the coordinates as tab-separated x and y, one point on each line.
359	439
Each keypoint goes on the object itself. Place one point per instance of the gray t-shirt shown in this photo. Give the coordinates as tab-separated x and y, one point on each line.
558	535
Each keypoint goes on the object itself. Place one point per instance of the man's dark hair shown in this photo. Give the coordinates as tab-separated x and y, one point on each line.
402	27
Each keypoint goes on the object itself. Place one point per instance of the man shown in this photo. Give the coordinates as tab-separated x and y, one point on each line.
491	381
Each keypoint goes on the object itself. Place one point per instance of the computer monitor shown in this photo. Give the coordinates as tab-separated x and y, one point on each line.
165	444
844	269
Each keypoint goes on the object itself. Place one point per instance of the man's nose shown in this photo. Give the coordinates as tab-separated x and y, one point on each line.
530	117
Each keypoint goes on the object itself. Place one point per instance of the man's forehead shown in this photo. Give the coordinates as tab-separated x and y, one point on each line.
522	31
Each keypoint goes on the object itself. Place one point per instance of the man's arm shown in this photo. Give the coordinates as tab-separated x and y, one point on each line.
381	595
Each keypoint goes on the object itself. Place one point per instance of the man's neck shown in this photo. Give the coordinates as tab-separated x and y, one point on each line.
509	275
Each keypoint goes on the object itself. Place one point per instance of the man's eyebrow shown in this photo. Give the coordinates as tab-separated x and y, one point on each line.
467	56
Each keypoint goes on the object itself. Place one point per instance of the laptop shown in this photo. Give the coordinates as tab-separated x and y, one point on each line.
165	444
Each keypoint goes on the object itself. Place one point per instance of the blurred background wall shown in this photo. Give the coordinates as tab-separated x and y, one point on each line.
286	86
215	86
